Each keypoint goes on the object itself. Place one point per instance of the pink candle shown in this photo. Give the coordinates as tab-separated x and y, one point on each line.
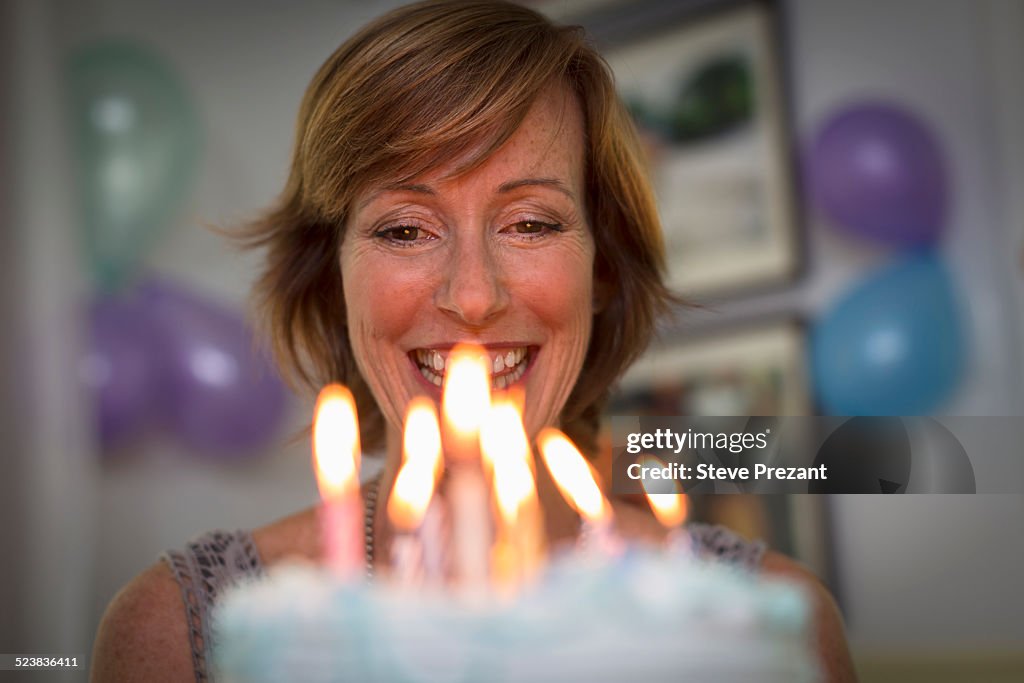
577	483
336	457
466	400
411	506
669	508
519	548
434	536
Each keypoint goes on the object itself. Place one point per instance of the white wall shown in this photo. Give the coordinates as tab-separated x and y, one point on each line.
1004	22
928	570
53	451
915	570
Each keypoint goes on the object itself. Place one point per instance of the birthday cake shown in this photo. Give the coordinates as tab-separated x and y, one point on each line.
470	597
646	615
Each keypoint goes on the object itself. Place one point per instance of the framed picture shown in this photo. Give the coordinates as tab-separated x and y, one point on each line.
704	83
752	370
755	369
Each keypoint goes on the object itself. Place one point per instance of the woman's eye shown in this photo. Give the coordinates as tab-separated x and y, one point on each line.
401	233
535	227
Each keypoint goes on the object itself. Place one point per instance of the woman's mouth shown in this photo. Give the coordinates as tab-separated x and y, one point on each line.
507	365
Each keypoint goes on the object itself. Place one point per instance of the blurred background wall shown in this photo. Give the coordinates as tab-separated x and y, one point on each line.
921	578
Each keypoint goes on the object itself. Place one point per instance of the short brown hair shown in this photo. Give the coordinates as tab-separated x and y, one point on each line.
418	87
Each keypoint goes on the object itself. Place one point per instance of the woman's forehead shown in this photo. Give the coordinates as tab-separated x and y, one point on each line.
545	150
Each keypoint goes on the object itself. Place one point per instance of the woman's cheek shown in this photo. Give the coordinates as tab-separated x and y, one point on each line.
560	290
383	301
382	297
561	299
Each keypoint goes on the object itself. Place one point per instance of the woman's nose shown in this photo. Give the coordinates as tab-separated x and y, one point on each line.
473	289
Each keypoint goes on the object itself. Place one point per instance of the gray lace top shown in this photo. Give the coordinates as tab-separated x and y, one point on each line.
209	564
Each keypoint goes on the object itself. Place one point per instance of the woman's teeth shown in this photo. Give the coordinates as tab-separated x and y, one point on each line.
511	363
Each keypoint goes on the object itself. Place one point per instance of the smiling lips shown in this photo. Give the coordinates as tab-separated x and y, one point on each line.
507	365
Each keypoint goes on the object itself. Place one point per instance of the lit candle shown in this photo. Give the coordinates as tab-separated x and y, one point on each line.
575	480
465	402
336	457
518	548
669	507
416	545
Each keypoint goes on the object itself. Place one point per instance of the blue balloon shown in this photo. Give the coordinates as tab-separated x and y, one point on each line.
894	345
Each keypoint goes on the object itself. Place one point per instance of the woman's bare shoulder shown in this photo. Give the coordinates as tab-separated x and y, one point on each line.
830	633
143	635
297	535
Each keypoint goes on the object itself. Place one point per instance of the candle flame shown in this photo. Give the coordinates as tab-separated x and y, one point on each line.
573	475
669	508
516	395
421	465
506	451
336	451
467	390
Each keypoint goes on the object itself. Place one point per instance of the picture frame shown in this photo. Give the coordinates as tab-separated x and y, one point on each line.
751	369
705	84
747	369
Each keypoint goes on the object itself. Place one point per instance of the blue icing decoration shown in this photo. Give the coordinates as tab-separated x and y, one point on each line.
786	606
582	610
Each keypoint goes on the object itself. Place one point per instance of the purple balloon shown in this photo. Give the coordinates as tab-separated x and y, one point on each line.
221	397
121	369
877	170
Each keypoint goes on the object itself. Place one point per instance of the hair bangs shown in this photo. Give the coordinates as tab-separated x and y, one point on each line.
434	108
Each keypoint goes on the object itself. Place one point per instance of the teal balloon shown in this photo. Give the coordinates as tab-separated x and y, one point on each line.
137	142
894	345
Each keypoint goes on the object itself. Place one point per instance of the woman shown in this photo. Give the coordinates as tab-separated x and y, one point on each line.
462	172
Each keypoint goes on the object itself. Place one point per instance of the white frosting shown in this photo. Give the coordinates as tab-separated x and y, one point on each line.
643	617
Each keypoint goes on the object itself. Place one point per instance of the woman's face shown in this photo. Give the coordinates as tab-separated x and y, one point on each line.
500	256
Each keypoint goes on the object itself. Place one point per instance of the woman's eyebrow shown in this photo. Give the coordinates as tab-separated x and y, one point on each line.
422	189
553	183
504	188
